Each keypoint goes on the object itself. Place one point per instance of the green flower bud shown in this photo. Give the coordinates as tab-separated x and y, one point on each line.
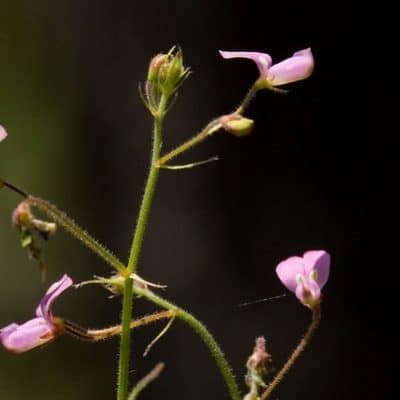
165	75
237	125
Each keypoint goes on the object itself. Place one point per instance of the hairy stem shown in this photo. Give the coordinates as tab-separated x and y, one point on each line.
127	304
316	317
70	226
96	335
211	127
125	342
75	230
205	335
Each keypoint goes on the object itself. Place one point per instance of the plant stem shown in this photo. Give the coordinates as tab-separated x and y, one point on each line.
124	348
247	99
316	317
146	380
212	127
75	230
205	335
149	190
127	304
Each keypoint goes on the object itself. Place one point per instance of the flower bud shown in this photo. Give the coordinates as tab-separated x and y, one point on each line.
156	65
166	73
237	125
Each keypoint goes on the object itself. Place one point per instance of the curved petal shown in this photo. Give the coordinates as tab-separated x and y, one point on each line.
263	60
3	133
299	66
20	338
308	291
7	329
288	270
318	261
44	308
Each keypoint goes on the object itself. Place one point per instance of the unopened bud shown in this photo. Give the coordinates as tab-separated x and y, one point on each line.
166	73
237	125
156	65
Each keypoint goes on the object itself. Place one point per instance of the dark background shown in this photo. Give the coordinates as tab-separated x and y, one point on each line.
311	176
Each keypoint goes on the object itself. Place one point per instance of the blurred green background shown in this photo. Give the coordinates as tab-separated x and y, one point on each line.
305	179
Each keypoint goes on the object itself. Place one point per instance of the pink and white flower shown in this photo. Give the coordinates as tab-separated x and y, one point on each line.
306	276
40	330
298	67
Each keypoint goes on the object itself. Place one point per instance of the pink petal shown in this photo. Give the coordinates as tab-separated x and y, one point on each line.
44	308
21	338
318	261
295	68
3	133
306	289
263	60
288	270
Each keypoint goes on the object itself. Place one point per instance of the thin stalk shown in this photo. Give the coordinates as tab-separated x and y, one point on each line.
61	218
212	127
146	380
125	342
247	99
127	304
149	190
316	317
75	230
205	335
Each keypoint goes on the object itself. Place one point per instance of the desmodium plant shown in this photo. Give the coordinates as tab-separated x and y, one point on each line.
304	276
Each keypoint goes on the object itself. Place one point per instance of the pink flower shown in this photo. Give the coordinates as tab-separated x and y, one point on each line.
306	276
299	66
3	133
40	330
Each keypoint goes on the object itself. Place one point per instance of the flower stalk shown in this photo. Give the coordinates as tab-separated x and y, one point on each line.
316	317
204	334
127	303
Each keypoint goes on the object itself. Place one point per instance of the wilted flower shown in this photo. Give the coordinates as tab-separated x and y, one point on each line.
295	68
40	330
3	133
306	276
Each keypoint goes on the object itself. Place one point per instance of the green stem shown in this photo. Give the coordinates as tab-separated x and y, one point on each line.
124	348
212	127
69	225
205	335
247	99
316	317
75	230
149	190
127	305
